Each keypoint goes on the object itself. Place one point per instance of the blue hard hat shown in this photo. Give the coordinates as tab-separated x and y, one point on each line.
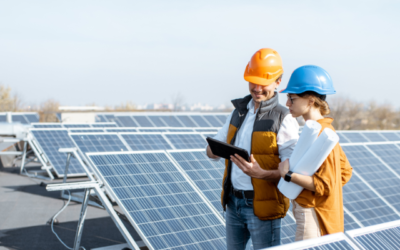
310	78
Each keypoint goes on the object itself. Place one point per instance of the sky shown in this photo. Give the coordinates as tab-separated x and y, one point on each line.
110	52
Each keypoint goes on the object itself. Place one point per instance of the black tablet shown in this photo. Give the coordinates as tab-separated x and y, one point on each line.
225	150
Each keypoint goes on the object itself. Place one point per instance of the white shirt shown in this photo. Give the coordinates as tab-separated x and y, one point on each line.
287	137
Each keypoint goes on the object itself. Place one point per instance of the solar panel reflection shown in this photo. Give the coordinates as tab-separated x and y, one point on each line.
374	137
163	206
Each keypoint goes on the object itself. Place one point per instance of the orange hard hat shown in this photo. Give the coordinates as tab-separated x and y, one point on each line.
264	68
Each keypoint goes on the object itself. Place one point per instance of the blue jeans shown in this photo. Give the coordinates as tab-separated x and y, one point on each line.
241	224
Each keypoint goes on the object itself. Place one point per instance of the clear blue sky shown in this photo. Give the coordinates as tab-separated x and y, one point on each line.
108	52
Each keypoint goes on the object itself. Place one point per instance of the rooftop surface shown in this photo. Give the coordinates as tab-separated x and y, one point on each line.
26	206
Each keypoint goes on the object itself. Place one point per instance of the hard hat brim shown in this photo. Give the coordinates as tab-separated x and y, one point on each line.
259	80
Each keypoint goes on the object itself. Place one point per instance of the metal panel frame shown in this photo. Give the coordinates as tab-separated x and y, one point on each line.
46	123
371	229
146	133
123	207
305	244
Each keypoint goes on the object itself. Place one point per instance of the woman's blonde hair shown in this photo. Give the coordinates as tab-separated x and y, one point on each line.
319	101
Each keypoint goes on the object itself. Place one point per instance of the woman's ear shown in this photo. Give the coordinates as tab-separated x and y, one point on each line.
311	101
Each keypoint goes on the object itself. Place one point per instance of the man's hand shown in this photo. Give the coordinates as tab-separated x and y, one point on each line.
284	167
251	168
210	154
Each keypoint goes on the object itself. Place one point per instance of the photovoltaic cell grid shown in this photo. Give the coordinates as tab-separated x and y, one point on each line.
121	130
51	141
19	118
349	223
32	118
99	142
3	118
207	176
141	142
383	239
205	173
389	153
187	121
90	130
143	121
159	130
126	121
374	173
171	121
357	137
104	125
75	125
166	209
44	125
337	245
100	118
364	204
186	141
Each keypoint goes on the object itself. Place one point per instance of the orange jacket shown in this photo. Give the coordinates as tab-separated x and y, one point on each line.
327	200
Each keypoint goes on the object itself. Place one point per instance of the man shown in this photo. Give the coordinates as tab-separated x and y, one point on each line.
253	204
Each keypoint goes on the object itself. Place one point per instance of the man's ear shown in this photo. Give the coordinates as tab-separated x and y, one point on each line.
278	82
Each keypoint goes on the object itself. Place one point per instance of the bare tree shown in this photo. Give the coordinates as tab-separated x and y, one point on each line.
48	111
9	102
127	106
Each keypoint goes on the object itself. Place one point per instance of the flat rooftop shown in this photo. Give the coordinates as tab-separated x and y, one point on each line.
26	206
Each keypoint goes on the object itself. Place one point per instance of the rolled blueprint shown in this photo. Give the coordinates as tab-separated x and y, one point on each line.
311	161
307	138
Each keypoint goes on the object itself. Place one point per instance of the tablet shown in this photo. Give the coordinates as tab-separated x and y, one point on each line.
225	150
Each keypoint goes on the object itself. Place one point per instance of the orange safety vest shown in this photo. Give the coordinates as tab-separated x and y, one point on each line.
268	203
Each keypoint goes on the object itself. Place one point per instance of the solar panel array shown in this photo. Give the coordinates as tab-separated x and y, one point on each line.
164	119
74	125
384	236
369	198
23	118
166	210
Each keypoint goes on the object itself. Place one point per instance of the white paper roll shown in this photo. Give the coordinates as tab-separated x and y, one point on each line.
311	161
307	137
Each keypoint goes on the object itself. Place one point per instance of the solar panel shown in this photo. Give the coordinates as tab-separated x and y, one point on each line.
100	118
349	222
76	125
342	138
126	121
336	241
157	121
208	135
391	136
47	125
171	121
389	153
32	118
88	130
104	125
186	120
383	236
50	140
180	130
3	118
159	130
213	130
110	118
121	130
373	136
142	141
143	121
355	137
162	205
222	118
205	173
366	206
375	173
104	142
200	121
186	140
213	121
19	118
59	117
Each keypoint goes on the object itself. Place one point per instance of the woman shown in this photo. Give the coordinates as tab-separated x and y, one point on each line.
318	209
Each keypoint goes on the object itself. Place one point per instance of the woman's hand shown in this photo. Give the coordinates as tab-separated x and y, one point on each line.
284	167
